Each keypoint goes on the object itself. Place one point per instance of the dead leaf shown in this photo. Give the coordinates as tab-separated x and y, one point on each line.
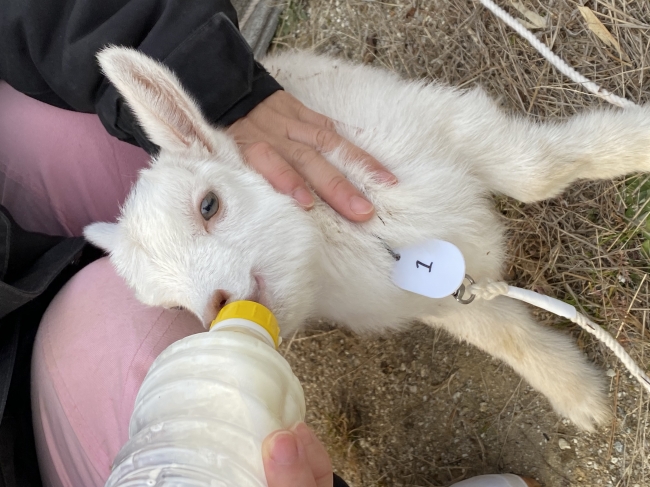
597	27
535	21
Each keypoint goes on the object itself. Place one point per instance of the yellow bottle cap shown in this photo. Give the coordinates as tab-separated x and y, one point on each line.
251	311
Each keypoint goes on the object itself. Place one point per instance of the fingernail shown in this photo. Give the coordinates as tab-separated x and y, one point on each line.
304	197
386	177
284	448
360	206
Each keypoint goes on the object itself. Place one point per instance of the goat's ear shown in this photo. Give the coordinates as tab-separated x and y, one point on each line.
103	235
168	115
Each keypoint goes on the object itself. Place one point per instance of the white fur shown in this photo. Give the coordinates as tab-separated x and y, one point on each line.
450	149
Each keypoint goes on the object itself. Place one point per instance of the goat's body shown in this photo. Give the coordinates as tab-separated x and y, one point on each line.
438	196
449	151
427	136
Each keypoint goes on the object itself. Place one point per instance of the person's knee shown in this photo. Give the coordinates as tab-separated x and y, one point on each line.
95	344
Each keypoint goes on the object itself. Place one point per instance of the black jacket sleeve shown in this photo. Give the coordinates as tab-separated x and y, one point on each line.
48	49
339	482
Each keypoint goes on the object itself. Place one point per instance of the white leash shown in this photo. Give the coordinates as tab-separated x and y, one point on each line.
491	289
561	66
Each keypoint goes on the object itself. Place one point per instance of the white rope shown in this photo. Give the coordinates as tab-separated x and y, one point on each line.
491	289
561	66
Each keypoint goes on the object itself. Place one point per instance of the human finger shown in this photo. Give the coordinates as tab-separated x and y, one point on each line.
330	184
285	113
283	177
263	158
317	456
285	461
324	140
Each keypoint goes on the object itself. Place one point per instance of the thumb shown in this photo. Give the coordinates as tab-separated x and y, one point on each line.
285	461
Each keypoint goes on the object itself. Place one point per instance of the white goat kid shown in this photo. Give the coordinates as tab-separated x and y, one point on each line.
200	227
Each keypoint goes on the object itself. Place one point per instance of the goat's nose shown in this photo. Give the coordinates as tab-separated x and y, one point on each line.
219	300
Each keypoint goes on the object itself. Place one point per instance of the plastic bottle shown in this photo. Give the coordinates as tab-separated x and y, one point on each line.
207	403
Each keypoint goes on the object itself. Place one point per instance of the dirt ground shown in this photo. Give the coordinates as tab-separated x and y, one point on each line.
420	409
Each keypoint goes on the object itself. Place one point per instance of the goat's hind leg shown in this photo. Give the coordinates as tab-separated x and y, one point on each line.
547	359
533	161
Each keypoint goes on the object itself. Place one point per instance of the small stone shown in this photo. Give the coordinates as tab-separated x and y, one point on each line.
618	446
564	445
483	407
610	373
614	460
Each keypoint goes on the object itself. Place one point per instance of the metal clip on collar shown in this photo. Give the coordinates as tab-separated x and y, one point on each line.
460	292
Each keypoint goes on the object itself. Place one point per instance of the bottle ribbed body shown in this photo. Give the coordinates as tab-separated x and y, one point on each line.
202	413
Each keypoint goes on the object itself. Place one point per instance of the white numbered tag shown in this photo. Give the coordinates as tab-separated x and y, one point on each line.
435	268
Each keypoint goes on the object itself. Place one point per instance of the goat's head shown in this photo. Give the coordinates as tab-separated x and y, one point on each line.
200	228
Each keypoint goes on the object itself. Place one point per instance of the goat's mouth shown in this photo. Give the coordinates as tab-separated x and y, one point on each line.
260	294
222	298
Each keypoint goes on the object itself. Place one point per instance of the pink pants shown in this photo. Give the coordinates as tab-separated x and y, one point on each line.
60	171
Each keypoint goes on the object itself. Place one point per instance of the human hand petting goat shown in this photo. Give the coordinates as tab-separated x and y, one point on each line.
285	141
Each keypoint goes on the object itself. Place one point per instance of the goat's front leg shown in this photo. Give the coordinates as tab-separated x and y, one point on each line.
533	161
547	359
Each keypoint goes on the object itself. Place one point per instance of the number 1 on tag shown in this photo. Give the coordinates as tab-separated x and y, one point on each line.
435	268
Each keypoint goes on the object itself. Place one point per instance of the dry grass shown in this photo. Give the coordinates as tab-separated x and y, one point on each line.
585	247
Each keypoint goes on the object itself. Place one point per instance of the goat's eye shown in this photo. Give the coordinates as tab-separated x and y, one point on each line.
209	206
